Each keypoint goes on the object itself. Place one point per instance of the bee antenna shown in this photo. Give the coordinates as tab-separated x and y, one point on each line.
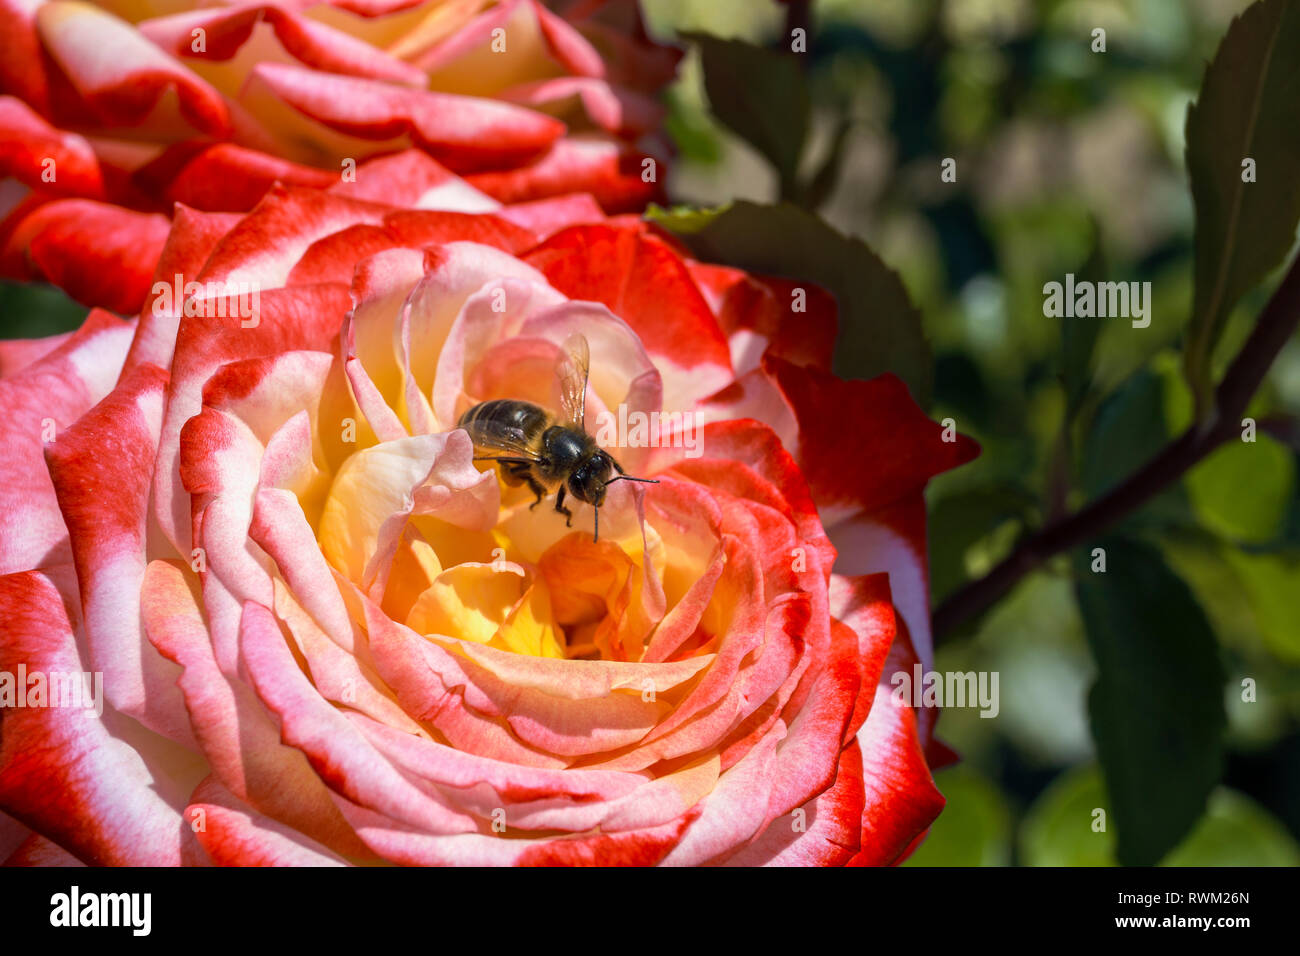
596	520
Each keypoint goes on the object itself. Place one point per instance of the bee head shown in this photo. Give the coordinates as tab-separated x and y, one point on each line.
587	483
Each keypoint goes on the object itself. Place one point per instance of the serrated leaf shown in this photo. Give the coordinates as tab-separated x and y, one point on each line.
760	95
1248	109
880	329
1157	709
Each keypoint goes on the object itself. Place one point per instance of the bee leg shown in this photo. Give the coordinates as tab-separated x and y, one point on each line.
559	506
513	474
520	473
536	489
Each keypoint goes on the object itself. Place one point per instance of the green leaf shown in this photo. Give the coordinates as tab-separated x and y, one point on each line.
761	95
684	220
1272	581
1248	108
1236	831
1205	562
1243	489
1157	708
35	311
974	828
822	183
691	131
880	329
1060	829
1128	429
961	520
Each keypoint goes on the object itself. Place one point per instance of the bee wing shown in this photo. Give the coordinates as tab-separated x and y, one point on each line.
508	440
572	374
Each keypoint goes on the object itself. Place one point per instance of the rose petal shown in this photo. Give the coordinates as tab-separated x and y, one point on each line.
238	737
38	851
38	403
462	132
100	254
901	799
412	179
17	354
233	834
829	831
311	43
121	75
43	156
223	176
192	238
63	772
101	469
619	177
644	283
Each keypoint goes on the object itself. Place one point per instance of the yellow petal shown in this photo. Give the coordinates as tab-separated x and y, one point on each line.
469	601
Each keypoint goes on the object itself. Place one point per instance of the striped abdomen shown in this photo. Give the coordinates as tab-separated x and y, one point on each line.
506	424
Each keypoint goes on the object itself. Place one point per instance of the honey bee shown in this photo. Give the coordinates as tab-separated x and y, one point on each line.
535	448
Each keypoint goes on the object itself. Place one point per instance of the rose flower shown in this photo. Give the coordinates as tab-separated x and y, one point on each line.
112	113
328	634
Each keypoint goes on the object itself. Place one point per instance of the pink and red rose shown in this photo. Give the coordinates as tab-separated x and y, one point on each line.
112	113
328	636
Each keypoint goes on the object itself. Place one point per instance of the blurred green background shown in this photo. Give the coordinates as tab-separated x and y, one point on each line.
1066	158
